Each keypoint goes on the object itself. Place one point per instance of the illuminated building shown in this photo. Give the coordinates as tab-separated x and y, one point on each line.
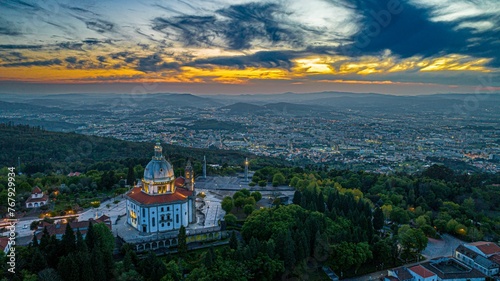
161	202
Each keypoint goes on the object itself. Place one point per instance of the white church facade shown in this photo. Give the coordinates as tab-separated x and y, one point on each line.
161	202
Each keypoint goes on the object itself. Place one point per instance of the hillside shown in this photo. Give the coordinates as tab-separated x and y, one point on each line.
39	150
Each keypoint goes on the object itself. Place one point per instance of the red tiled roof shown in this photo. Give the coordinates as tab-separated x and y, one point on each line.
42	199
179	182
4	241
495	259
422	271
488	248
102	218
180	194
36	190
402	274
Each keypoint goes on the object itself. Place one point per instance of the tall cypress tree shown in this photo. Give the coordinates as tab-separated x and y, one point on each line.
127	262
209	258
320	202
130	176
68	240
81	246
90	238
378	219
182	245
34	242
297	197
233	242
45	240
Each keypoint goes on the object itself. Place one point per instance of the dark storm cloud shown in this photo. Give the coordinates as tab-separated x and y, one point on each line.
101	58
17	4
71	59
34	63
407	30
239	27
79	10
99	25
11	56
70	45
154	63
192	30
92	41
256	21
17	55
118	55
21	47
266	59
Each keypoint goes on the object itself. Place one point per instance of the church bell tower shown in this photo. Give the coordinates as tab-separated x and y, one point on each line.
189	176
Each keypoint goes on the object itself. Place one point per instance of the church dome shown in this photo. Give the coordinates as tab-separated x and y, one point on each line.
158	169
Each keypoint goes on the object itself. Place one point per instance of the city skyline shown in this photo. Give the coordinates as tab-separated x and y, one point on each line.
250	47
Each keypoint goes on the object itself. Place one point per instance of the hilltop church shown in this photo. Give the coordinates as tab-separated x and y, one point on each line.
161	202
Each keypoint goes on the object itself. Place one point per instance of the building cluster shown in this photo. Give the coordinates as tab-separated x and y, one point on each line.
374	140
470	262
58	229
379	142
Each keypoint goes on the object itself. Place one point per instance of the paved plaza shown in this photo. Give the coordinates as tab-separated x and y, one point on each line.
208	209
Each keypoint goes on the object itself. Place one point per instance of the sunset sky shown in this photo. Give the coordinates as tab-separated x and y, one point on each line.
222	46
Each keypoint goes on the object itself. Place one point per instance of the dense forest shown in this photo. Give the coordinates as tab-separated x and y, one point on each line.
437	200
44	151
352	222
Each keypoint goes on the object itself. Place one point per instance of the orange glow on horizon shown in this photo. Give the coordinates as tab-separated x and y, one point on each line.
302	68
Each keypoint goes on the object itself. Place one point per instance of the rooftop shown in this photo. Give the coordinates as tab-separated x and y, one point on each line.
36	190
402	274
137	195
487	248
422	271
450	268
4	241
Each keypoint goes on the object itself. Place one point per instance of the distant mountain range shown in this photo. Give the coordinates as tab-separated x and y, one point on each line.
285	103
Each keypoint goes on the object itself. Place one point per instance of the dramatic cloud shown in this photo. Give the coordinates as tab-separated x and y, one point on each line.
271	59
237	26
189	30
383	42
21	47
155	63
255	21
34	63
408	30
